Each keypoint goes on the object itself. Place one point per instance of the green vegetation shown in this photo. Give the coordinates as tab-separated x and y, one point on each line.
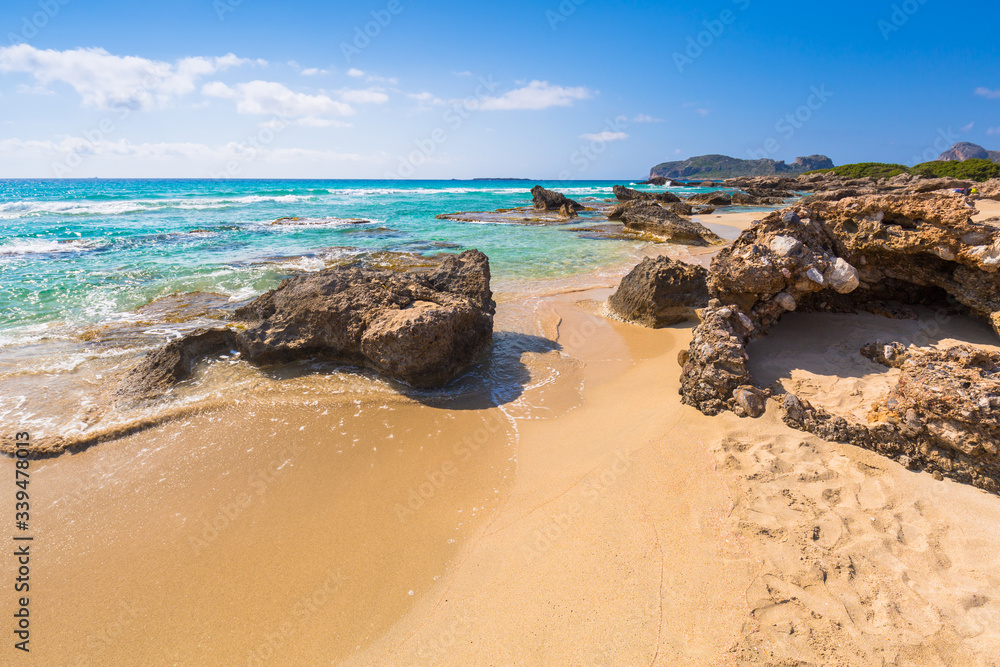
866	170
970	170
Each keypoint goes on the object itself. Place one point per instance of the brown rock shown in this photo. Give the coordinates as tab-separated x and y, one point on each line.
547	200
659	292
628	194
711	199
651	218
422	328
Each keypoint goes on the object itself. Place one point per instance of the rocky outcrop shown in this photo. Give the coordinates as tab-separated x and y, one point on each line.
547	200
162	369
422	328
649	217
628	194
837	256
711	199
659	180
942	416
965	150
659	292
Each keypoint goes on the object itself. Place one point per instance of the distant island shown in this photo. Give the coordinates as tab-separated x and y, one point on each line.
503	179
718	167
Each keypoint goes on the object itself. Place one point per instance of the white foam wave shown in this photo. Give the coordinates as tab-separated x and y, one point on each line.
21	247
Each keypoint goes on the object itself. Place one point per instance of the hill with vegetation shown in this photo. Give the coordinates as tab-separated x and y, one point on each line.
969	170
719	167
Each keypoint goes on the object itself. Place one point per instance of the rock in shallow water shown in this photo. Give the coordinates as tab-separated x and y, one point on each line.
420	328
548	200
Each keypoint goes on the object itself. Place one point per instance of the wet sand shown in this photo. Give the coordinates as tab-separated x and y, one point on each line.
566	509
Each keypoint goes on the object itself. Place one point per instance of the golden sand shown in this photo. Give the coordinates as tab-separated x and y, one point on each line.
584	517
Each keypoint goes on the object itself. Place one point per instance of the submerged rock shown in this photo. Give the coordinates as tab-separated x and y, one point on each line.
660	291
422	328
649	217
547	200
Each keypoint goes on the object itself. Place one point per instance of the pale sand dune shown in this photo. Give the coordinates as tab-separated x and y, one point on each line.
596	521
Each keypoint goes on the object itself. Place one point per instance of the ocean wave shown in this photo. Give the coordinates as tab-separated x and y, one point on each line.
21	209
22	247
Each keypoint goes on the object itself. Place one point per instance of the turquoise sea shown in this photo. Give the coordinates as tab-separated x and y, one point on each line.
88	251
82	260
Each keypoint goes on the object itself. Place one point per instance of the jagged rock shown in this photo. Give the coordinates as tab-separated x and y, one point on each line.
842	256
628	194
942	416
711	199
750	400
989	190
547	200
658	180
418	327
717	359
163	368
660	291
643	216
567	211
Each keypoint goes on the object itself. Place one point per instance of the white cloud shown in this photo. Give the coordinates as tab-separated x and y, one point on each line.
314	71
105	81
272	98
33	90
218	89
535	96
426	99
993	130
370	96
605	137
968	128
987	93
702	112
646	118
465	73
355	72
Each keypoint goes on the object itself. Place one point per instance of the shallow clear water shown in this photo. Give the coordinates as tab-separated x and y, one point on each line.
89	251
95	272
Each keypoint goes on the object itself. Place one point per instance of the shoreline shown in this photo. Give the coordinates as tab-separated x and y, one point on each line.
527	518
554	527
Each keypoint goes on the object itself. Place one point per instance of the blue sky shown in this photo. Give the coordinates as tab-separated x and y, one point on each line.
579	89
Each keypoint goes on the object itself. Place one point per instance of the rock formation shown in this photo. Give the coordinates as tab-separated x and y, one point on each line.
837	256
420	328
711	199
659	292
965	150
547	200
646	216
943	415
628	194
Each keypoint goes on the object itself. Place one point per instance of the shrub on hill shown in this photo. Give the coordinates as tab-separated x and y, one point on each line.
866	170
969	170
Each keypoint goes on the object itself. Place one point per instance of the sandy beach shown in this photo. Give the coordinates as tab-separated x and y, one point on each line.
304	526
